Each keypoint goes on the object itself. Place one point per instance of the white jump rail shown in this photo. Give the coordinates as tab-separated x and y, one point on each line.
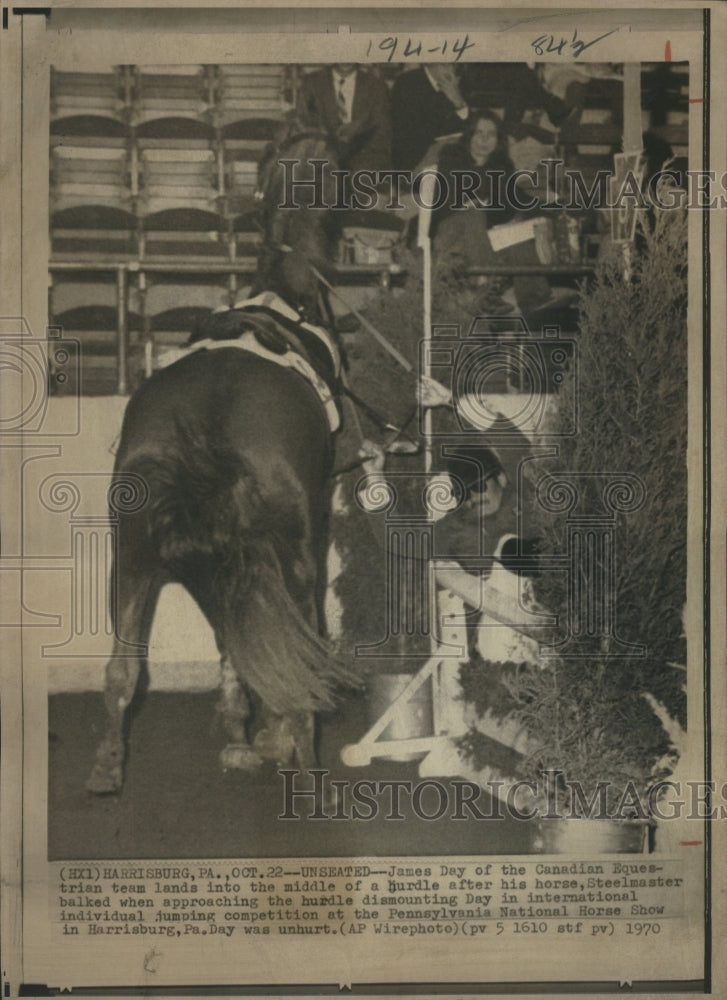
503	608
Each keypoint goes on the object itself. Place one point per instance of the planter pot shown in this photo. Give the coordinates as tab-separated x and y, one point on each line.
592	836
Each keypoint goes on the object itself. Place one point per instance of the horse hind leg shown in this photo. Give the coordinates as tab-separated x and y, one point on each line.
290	739
136	602
302	726
234	709
122	673
287	739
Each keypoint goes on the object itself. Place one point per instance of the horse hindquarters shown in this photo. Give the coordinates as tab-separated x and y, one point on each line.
234	452
248	547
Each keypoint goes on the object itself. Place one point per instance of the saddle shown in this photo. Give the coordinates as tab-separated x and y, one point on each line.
279	328
268	327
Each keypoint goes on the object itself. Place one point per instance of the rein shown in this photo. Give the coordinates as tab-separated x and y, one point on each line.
376	418
273	241
409	447
376	334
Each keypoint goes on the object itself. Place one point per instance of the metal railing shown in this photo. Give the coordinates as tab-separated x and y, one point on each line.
122	269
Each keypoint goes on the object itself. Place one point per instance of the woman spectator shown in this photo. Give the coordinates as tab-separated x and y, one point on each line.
462	237
481	149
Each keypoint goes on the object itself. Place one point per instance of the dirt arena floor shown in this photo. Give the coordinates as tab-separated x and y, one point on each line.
177	802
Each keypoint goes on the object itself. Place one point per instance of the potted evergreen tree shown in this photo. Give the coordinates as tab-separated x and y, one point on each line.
613	713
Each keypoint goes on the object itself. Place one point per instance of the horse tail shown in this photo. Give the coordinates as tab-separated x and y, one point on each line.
274	648
213	532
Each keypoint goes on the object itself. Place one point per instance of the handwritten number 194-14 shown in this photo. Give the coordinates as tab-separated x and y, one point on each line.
417	49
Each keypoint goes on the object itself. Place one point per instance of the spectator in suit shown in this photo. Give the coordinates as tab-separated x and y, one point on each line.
517	89
426	103
352	105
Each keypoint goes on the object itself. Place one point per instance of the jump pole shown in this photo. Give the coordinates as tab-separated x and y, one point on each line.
426	197
369	746
426	192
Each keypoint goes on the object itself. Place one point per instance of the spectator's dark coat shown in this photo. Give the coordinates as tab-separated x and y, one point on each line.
420	114
369	146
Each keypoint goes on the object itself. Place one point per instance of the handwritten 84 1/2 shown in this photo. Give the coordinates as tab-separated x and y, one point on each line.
554	44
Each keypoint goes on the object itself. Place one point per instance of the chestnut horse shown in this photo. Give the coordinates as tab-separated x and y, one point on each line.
233	453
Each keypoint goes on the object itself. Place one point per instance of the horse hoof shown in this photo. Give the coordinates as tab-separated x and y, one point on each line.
275	743
104	781
240	757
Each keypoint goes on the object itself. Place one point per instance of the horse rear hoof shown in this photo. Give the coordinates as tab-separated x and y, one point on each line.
240	757
275	742
104	781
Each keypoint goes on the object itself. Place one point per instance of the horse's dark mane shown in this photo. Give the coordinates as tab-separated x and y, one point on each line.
286	145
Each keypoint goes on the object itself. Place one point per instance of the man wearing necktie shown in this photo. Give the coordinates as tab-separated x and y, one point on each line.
352	105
